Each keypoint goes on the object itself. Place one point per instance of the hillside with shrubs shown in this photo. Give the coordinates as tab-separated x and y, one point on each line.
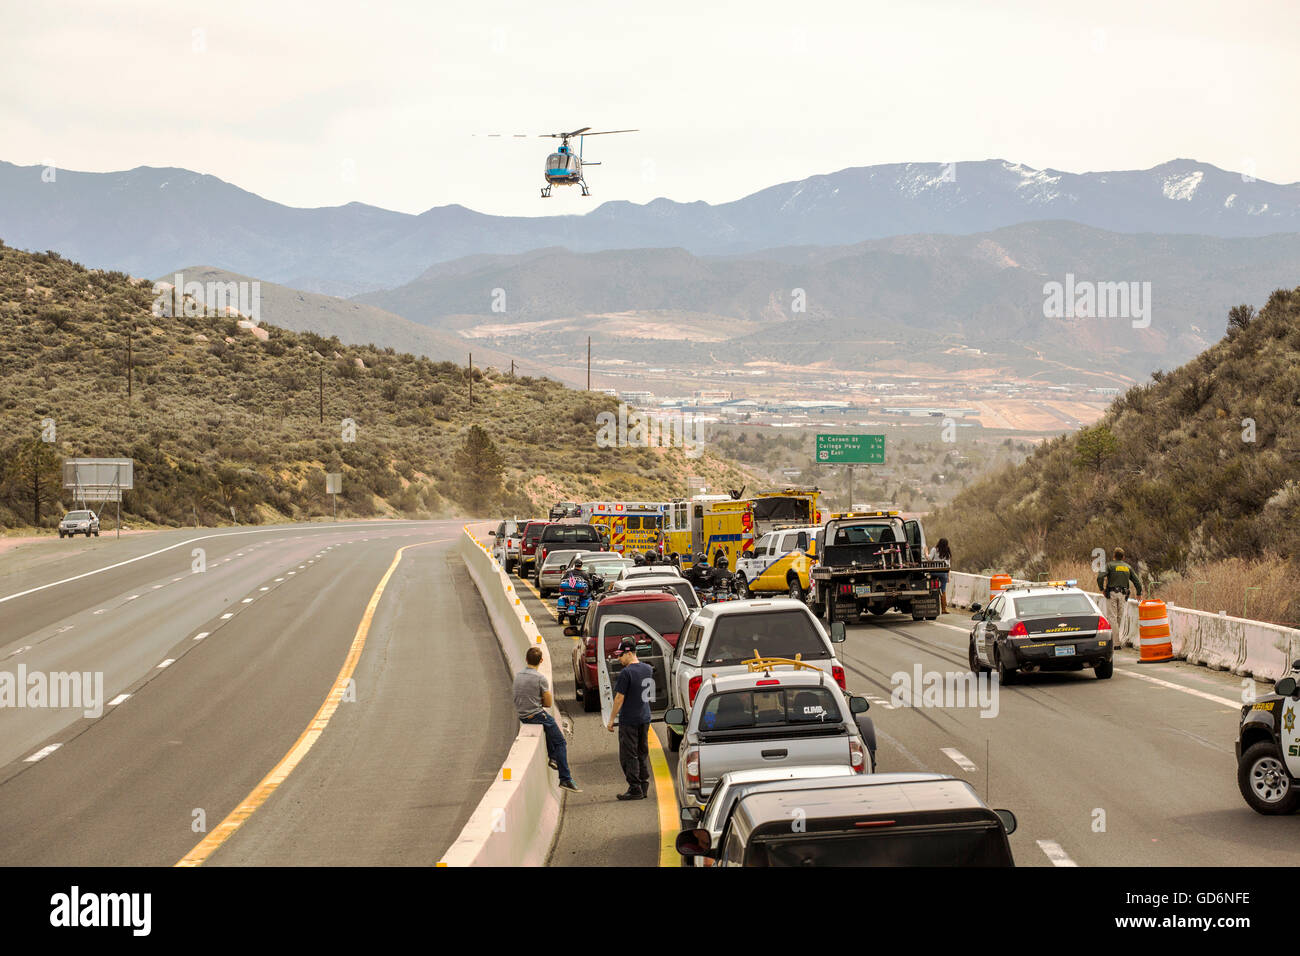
226	422
1195	473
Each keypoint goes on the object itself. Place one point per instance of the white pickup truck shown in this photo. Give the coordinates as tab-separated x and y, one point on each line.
777	716
719	638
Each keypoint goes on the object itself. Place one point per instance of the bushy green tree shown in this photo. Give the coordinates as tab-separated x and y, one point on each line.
478	467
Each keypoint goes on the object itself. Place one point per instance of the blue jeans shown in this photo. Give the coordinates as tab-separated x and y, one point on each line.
556	748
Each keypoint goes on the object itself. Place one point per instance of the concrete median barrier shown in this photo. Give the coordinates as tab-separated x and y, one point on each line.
516	821
1247	648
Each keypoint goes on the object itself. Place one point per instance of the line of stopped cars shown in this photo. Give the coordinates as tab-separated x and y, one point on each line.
776	758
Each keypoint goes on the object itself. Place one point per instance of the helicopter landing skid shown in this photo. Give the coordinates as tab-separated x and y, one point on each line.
584	188
546	192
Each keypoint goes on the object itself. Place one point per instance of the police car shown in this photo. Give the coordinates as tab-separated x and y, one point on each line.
1052	626
1268	749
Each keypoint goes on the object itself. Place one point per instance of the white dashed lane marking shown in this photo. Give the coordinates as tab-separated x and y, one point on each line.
228	615
118	699
1055	853
43	753
201	635
167	663
960	759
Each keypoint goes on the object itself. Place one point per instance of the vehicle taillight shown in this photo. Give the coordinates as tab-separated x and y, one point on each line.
857	756
1103	626
543	554
934	583
766	683
846	589
1019	630
693	687
693	768
838	673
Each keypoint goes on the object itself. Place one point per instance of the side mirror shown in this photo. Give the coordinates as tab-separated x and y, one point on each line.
571	631
694	842
492	534
976	607
691	816
1285	687
675	717
839	633
1008	820
859	705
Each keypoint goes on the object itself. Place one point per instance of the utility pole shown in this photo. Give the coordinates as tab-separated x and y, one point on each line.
850	487
130	363
589	363
512	368
322	394
471	378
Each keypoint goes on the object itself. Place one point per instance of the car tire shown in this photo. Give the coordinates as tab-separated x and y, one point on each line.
590	700
674	740
96	534
830	611
1006	675
742	587
793	590
1104	669
975	664
1264	781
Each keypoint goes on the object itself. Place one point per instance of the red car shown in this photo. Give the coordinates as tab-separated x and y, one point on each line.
663	612
528	546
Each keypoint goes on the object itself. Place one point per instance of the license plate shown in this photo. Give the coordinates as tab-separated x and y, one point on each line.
1064	650
862	590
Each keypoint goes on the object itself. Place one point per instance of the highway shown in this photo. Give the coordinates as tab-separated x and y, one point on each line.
212	676
1138	770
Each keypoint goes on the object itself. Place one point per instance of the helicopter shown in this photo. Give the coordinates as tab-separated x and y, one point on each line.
563	168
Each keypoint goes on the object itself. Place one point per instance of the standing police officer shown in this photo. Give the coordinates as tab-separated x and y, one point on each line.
1114	583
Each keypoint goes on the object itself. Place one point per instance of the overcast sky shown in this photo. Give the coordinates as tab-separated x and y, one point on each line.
322	103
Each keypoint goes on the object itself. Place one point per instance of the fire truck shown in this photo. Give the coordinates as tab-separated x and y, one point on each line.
631	525
708	524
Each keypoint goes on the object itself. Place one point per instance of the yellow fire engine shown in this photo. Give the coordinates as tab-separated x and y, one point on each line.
709	524
632	525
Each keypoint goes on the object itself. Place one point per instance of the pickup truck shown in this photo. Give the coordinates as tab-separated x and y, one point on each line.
770	717
872	562
720	638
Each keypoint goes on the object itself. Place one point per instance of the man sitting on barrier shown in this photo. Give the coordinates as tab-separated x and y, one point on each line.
532	703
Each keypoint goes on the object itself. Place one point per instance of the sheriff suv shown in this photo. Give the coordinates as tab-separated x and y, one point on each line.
79	522
1053	626
1268	749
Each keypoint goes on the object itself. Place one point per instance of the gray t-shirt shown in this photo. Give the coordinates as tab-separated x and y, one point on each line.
529	684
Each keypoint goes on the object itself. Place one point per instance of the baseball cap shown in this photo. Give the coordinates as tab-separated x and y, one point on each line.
625	645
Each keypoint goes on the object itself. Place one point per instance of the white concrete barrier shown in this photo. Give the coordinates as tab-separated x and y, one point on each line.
516	821
1247	648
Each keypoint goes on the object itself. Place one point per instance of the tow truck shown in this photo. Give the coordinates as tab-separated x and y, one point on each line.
1268	749
872	561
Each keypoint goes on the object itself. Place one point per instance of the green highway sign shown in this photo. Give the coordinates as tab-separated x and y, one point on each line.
851	449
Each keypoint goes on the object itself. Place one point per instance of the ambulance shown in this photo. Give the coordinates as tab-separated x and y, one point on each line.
710	524
631	525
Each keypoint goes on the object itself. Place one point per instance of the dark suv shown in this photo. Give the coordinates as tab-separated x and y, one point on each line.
567	537
663	612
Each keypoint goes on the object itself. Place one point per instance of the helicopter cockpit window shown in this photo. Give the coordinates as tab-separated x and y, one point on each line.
557	162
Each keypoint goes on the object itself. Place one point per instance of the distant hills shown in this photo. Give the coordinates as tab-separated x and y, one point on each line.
146	220
925	300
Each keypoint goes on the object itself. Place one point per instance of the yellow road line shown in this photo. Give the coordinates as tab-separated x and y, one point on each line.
666	798
537	594
280	772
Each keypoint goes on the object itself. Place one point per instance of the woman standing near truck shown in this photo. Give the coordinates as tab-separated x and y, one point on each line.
942	552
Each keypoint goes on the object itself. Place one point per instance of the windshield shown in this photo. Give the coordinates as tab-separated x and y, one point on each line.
866	534
682	587
1050	605
78	515
774	707
783	509
606	569
783	633
965	846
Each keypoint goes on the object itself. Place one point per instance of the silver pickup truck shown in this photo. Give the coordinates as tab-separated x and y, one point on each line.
777	716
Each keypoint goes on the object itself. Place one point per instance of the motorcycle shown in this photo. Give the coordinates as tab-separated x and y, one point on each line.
721	587
574	600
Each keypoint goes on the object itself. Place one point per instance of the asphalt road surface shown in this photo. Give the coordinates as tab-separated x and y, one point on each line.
212	671
1137	770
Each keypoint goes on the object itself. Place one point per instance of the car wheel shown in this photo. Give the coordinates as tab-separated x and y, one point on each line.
975	664
1264	781
1006	675
742	587
674	740
830	611
1104	669
794	591
96	534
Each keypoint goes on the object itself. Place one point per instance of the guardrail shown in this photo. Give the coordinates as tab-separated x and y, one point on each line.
1244	647
516	821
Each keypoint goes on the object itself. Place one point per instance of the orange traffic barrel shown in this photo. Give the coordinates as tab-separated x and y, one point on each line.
1153	633
999	582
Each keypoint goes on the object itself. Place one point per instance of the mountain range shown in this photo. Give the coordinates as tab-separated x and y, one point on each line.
146	221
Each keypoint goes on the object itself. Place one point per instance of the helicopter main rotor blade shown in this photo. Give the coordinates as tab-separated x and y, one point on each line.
606	132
